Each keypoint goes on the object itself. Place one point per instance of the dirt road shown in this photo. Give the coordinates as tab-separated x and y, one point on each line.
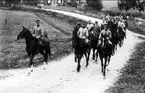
61	76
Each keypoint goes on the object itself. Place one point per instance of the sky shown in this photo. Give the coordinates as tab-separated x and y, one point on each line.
109	3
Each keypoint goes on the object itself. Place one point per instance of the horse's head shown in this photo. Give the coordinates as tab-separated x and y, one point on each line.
23	34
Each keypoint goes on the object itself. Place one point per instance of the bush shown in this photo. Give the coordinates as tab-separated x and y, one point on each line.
95	4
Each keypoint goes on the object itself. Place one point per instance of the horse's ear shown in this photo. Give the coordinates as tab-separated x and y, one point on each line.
23	27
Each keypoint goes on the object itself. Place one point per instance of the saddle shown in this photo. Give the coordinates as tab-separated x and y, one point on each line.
85	42
42	41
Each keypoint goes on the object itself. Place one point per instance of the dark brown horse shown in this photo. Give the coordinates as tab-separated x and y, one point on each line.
81	48
105	51
115	37
33	47
93	37
121	35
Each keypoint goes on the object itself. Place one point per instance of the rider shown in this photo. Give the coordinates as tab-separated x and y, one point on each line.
96	28
75	30
105	34
38	31
103	23
83	33
121	25
107	17
121	17
90	26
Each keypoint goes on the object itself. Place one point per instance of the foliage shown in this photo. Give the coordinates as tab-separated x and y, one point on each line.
95	4
128	4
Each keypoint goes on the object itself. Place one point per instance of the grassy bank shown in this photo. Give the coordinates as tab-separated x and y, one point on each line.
59	28
12	52
132	78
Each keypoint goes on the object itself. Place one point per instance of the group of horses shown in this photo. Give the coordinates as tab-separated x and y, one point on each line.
105	51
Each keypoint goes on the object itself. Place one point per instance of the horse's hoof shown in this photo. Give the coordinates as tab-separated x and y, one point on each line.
31	70
78	69
96	60
104	77
28	74
44	68
87	65
104	74
107	64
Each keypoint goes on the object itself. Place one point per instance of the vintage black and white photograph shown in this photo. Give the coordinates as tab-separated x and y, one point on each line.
72	46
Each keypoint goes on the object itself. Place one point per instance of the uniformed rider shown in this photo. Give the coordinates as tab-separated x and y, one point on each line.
121	25
83	33
90	26
38	31
105	34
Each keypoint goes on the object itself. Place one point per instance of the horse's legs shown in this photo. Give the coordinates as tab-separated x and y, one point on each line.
78	66
113	49
96	55
31	60
116	47
109	57
48	51
45	59
105	64
101	58
31	63
45	55
75	55
87	63
93	54
89	54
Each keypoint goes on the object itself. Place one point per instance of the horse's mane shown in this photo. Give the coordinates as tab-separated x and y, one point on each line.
28	32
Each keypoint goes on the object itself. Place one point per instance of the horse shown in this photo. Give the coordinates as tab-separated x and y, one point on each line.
33	46
121	35
93	37
74	36
104	51
115	37
81	48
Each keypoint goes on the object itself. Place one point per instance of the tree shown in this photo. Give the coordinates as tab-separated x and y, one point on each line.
128	4
95	4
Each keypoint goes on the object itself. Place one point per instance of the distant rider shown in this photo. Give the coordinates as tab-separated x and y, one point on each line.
38	31
90	26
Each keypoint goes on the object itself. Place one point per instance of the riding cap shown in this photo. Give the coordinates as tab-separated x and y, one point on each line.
83	24
89	21
37	20
78	23
96	21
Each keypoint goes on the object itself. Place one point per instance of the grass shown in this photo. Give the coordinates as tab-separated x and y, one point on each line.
12	52
58	26
132	78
